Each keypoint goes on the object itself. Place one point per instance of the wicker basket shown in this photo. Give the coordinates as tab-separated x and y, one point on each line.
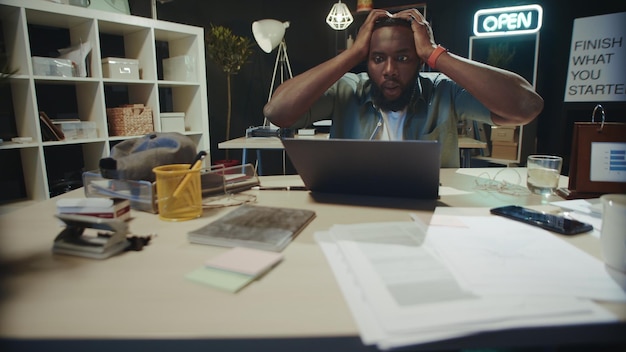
130	120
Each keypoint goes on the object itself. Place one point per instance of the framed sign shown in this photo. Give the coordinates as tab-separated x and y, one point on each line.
597	63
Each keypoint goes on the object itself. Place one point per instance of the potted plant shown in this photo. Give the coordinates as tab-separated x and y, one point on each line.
5	71
229	51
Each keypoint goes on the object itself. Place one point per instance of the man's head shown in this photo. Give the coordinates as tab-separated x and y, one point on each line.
393	63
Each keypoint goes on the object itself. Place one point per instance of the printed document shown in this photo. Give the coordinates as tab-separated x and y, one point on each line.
408	286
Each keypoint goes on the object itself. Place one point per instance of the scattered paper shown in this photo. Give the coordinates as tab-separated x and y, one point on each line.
406	286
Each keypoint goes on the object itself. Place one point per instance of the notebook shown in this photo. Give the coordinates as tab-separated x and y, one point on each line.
254	226
407	169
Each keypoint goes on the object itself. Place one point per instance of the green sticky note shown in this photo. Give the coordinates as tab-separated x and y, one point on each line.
221	279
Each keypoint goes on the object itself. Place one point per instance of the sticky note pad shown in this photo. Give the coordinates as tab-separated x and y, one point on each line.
221	279
247	261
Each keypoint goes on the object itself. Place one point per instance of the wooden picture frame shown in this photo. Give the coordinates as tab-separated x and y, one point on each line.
598	160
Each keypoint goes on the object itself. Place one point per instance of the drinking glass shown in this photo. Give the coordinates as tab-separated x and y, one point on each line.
543	173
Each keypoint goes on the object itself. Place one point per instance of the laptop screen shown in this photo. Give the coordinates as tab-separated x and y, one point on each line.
407	169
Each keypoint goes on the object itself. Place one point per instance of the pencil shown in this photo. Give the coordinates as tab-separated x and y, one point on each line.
195	165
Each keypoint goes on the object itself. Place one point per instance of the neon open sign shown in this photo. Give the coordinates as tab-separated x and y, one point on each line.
508	20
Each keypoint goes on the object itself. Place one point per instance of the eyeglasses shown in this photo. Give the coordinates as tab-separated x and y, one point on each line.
228	200
506	181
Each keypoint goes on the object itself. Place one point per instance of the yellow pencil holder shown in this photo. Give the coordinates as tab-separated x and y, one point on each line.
179	192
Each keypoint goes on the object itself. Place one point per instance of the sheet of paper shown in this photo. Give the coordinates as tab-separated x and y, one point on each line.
371	278
498	256
406	281
585	206
585	210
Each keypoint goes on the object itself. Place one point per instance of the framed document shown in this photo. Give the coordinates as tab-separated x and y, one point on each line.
598	159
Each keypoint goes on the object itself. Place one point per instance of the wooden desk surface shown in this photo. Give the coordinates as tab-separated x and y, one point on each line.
275	143
144	295
262	142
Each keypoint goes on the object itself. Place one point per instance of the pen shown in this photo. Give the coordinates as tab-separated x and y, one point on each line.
280	188
195	165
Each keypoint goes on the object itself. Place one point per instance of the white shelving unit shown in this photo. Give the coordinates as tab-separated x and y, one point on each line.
142	39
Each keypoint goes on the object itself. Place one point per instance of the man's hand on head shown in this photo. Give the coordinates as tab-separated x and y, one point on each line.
422	32
362	41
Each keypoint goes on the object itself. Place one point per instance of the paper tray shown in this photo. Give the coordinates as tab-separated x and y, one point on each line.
141	194
217	181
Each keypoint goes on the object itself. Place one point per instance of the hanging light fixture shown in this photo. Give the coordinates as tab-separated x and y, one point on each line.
339	17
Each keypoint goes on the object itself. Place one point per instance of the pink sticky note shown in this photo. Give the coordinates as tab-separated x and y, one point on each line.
247	261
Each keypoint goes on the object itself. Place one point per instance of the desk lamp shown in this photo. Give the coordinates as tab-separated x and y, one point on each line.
154	7
270	34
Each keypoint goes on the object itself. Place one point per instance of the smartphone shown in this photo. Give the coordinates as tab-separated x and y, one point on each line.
551	222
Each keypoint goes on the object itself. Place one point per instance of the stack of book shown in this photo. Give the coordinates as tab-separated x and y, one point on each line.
99	207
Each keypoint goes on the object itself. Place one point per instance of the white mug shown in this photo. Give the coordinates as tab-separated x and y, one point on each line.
613	233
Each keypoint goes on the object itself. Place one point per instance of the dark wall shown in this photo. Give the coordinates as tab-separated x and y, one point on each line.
310	41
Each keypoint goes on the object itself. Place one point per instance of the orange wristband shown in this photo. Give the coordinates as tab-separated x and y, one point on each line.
432	59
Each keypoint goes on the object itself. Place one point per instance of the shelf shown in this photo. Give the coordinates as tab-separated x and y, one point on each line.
40	28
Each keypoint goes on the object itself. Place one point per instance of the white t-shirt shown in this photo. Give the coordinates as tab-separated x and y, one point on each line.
392	128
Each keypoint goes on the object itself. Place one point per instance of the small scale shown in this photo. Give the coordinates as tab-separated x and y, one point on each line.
109	240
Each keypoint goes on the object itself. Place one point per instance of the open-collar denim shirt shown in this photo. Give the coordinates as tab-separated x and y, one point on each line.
432	115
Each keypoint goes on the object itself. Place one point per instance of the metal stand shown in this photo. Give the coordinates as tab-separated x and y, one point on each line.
282	71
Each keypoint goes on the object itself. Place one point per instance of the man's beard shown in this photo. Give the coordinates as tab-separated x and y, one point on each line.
391	105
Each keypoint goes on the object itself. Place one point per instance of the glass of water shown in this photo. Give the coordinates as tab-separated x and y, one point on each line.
543	173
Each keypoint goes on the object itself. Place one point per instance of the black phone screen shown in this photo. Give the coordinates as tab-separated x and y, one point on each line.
551	222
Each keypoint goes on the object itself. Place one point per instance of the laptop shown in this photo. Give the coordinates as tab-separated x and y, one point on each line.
405	169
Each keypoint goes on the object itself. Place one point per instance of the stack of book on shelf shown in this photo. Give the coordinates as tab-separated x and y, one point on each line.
49	131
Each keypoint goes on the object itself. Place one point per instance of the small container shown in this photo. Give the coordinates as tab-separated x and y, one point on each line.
120	68
173	122
141	194
179	192
130	120
180	68
77	129
47	66
504	134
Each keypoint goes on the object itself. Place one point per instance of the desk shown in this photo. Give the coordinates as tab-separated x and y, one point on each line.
260	143
466	145
142	297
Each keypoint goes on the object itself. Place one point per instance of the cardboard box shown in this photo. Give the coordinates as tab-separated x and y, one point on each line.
173	122
180	68
122	68
48	66
504	133
504	150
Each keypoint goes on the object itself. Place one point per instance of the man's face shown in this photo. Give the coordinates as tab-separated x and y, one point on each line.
393	66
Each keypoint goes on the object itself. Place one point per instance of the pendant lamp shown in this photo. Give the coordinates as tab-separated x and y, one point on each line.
339	17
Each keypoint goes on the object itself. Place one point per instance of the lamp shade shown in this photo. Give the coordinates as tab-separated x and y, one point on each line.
269	33
339	17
